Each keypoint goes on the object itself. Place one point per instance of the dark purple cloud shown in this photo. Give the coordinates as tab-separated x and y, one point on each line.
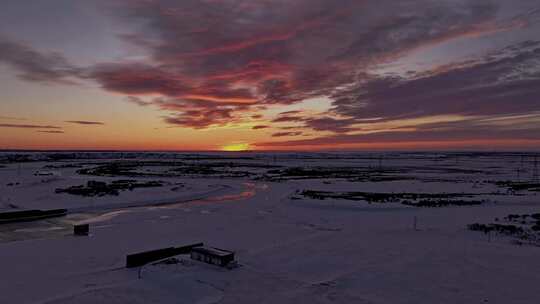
503	83
216	62
294	112
36	66
138	79
85	122
288	119
27	126
432	135
225	56
52	131
201	118
329	124
283	134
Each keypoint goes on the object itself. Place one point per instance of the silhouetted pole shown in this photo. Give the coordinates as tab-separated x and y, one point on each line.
535	173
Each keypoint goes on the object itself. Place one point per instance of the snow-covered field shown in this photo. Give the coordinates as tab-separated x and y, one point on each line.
306	227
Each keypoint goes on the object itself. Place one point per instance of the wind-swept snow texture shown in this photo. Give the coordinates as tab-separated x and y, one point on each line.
305	227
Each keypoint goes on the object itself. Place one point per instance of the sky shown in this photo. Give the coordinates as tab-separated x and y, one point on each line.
270	75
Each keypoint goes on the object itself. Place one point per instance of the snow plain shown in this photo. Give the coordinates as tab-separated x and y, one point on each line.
291	248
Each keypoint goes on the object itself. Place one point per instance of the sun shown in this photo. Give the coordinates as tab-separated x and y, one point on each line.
235	147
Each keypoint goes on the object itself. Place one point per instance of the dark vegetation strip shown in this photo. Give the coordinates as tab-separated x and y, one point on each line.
95	188
519	186
128	169
524	228
410	199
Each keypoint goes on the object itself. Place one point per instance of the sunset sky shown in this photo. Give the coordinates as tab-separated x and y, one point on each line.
270	74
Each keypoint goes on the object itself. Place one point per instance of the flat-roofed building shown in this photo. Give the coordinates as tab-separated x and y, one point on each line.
212	255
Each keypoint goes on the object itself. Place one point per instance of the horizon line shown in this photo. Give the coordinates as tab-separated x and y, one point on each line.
275	151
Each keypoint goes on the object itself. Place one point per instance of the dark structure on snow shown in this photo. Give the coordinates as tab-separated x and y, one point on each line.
30	215
212	255
82	229
143	258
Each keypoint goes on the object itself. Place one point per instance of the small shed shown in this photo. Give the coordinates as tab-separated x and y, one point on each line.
81	229
212	255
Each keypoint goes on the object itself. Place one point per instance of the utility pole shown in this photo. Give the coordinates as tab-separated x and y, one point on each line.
535	172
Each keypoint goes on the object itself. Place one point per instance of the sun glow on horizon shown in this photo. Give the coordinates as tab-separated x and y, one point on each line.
235	147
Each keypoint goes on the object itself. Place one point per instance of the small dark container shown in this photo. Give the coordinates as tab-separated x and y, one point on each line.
83	229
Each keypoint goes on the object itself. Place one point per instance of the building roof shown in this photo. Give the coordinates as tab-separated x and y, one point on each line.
212	251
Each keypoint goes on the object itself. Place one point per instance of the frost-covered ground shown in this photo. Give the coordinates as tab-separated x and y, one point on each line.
306	228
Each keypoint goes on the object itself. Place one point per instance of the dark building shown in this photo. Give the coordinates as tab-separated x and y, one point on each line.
143	258
81	229
212	255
